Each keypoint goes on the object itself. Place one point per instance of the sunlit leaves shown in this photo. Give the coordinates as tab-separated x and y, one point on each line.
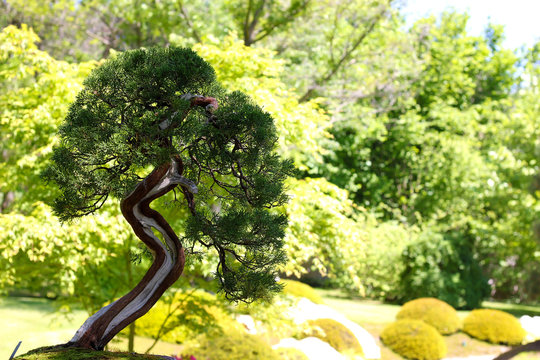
256	71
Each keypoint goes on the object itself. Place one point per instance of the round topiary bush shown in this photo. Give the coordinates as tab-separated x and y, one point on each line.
298	289
334	333
230	346
414	339
434	312
494	326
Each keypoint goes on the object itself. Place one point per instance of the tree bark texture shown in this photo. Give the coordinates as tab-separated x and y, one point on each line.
166	268
533	346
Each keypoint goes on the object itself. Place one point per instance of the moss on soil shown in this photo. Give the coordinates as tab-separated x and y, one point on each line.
48	353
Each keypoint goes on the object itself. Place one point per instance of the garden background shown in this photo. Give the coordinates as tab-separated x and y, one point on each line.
417	149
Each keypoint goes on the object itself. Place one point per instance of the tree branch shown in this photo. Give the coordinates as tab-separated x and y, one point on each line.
344	57
533	346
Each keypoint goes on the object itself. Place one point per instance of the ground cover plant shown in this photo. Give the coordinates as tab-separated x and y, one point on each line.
82	354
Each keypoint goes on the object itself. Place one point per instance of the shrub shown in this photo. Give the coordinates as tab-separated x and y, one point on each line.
442	265
231	346
414	339
180	316
296	288
291	354
494	326
434	312
334	333
273	319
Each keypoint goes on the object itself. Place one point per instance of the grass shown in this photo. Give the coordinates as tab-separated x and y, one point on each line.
374	316
35	323
517	310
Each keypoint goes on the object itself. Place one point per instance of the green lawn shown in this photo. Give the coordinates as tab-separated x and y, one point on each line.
35	323
375	315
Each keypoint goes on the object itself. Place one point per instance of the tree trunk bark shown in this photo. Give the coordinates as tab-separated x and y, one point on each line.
533	346
166	268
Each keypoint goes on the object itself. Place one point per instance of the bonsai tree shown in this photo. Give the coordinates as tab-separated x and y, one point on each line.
152	121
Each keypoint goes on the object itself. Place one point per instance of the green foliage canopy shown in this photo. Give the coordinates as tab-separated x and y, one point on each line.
133	113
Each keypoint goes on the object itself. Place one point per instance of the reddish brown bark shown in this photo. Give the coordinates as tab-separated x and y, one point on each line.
533	346
99	331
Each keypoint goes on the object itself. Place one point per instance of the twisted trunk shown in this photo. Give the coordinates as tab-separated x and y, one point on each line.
168	263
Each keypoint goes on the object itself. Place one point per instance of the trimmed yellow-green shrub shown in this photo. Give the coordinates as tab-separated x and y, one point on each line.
414	339
334	333
230	346
494	326
434	312
298	289
291	354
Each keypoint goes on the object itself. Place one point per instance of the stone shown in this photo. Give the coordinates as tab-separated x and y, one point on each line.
314	348
531	324
307	310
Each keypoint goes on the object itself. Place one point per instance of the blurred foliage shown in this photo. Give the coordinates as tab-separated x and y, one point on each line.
443	266
298	289
334	333
182	315
494	326
432	311
329	234
231	346
291	354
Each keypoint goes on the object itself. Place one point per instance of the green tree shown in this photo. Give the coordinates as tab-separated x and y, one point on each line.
140	129
257	19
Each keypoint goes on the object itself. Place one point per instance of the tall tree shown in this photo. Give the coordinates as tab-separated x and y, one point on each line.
148	123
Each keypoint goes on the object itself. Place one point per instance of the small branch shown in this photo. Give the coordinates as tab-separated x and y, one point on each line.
210	104
188	21
287	19
169	314
344	57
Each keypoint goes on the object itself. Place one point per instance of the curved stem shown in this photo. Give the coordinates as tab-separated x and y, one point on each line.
533	346
166	268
